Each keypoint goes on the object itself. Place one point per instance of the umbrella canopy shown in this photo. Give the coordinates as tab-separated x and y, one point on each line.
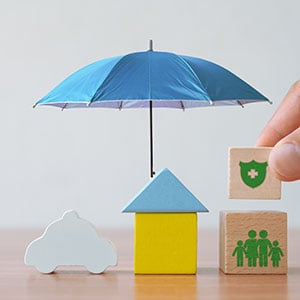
167	79
151	79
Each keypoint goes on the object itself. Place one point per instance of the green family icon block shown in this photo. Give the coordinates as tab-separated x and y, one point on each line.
249	174
253	242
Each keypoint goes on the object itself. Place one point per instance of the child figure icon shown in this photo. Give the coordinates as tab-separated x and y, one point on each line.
239	251
276	254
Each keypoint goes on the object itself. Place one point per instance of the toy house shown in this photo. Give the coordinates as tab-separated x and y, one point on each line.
165	227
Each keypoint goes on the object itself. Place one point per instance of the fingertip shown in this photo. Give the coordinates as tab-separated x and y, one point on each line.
284	160
268	137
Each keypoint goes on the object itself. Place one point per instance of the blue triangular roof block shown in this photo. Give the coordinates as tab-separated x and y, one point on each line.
165	193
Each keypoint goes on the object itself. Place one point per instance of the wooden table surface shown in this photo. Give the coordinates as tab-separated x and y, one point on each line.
18	281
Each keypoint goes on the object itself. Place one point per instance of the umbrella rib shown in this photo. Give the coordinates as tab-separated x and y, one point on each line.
193	72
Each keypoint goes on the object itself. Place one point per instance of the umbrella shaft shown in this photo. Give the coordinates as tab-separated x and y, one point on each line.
151	140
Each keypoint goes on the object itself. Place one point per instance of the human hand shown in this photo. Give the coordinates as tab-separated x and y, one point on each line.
283	132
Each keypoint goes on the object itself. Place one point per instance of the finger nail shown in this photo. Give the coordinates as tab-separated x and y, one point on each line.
284	160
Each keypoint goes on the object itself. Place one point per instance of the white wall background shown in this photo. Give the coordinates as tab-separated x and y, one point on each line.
95	161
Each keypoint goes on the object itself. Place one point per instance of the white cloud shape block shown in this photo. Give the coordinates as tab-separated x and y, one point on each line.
70	241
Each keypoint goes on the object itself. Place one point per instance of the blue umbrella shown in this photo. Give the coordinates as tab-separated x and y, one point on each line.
151	79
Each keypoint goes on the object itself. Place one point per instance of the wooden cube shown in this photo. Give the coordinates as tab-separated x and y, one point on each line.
253	242
165	243
249	174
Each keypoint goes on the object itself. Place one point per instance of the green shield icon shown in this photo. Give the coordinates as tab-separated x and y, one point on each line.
253	173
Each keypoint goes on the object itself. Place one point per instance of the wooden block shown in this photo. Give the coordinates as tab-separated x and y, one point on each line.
165	193
165	243
253	242
249	174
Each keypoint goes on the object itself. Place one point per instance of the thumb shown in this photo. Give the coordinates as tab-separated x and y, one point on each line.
284	159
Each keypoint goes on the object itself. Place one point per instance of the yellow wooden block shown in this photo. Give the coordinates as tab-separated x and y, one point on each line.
253	242
250	176
165	243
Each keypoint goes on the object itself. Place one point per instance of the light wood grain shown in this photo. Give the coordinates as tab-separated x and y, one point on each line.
18	281
235	226
271	186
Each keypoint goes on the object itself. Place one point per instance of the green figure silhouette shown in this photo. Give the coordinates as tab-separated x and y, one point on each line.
276	254
264	245
239	251
251	248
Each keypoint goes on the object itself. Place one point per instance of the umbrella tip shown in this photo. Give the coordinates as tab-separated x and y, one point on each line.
240	103
34	105
65	106
150	45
